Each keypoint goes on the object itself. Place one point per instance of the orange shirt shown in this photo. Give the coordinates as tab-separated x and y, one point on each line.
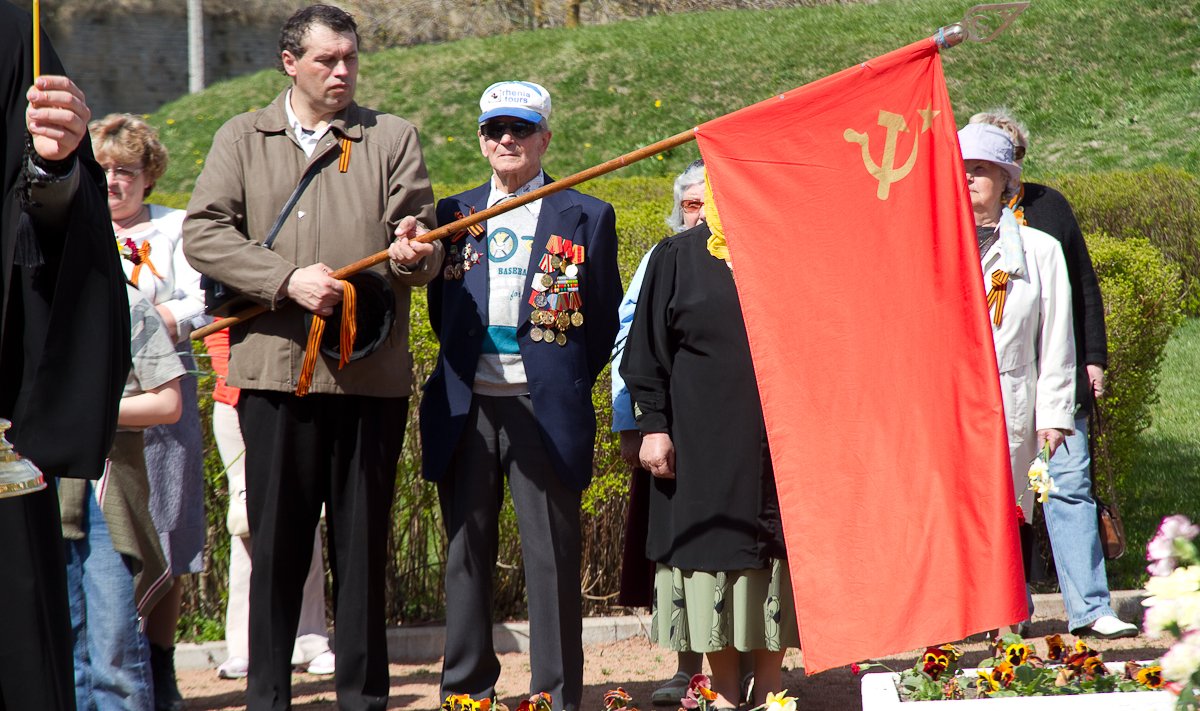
218	350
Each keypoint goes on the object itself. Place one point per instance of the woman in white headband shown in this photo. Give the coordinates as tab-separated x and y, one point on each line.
1029	306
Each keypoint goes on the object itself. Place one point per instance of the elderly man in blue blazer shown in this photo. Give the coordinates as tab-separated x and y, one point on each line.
525	309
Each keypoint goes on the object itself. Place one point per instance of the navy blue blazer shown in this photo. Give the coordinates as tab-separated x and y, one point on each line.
560	377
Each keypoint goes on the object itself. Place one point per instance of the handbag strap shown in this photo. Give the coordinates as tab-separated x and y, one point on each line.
305	179
1097	435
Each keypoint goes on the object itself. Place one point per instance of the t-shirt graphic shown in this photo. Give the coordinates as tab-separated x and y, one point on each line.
500	371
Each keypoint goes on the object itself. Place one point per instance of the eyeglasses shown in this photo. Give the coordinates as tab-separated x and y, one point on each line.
495	130
121	174
690	206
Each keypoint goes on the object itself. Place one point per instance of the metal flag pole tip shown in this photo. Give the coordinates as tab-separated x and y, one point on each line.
983	23
950	36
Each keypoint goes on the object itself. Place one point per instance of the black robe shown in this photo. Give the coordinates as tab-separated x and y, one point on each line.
64	325
64	357
688	369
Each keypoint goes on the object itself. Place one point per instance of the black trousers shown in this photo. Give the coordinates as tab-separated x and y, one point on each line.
340	451
36	662
502	441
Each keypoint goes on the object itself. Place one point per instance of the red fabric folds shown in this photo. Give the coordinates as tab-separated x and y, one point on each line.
849	225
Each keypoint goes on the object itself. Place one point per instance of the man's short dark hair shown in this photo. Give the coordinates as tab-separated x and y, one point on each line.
291	37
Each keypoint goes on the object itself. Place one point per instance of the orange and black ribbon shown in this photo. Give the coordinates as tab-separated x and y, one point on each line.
143	257
317	329
476	229
998	293
344	160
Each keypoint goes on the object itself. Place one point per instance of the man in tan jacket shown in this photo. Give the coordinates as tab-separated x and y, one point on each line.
338	445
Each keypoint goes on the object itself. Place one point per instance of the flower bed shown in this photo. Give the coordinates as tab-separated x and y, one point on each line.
1062	677
881	690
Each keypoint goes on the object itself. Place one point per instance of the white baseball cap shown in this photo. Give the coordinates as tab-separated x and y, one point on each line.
979	141
520	99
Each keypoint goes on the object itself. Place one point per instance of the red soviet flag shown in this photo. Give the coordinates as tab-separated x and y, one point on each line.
845	208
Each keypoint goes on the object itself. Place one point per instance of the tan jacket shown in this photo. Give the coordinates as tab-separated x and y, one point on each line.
252	169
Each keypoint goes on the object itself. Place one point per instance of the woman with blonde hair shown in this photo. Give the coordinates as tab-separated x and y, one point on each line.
150	238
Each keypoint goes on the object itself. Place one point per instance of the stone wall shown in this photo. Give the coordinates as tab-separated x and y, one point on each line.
137	62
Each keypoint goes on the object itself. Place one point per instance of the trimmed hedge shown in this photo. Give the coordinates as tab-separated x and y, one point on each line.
1141	292
1141	289
1160	204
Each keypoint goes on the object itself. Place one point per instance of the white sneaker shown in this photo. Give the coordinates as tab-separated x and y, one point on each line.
1108	627
233	668
323	665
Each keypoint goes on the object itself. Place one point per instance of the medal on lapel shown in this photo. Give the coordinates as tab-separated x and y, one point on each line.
555	294
460	260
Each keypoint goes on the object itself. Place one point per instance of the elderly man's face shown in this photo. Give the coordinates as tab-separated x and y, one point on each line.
513	159
325	77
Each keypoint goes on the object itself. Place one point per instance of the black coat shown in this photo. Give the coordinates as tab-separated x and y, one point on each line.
1047	210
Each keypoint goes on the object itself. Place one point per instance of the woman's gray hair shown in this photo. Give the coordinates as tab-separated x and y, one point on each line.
1003	119
690	176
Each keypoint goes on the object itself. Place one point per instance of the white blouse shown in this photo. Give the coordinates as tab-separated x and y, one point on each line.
1036	327
172	282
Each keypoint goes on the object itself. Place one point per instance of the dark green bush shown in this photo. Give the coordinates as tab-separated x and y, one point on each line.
1161	204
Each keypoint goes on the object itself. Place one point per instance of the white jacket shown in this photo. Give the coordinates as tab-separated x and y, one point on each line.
1035	341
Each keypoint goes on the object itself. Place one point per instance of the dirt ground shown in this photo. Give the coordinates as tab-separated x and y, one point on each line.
634	664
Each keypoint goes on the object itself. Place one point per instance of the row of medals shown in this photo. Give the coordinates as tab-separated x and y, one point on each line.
546	320
551	320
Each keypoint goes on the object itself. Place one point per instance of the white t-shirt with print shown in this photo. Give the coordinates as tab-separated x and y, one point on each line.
500	371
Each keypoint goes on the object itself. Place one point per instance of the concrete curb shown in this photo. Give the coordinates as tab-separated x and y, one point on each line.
424	643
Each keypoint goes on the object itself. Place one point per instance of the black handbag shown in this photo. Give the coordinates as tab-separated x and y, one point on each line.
1108	516
221	300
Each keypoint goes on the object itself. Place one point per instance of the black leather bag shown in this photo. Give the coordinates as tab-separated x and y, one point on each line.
219	299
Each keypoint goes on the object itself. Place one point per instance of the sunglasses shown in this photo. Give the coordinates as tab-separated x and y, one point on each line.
495	130
690	206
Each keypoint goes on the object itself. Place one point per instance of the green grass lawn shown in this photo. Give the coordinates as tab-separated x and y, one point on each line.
1101	85
1168	481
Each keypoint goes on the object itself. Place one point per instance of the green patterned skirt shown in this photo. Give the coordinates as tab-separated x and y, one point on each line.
698	611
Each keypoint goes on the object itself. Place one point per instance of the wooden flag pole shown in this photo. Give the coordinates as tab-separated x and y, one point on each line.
945	37
459	225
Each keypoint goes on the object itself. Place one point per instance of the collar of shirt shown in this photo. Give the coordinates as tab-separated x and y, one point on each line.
498	194
307	139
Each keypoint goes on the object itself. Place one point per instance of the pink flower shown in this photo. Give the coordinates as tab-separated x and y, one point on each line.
1174	537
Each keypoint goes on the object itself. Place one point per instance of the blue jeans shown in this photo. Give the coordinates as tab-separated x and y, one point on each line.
112	656
1071	523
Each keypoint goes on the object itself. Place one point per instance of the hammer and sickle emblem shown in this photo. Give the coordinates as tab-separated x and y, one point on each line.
886	171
